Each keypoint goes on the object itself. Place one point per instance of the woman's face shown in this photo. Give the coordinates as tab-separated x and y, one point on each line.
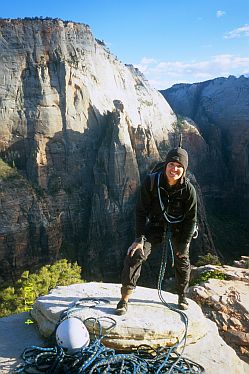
174	172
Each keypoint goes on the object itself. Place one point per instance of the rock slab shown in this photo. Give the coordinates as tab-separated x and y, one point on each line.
15	336
147	321
210	351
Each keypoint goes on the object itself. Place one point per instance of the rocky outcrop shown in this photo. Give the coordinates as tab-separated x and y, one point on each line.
147	322
209	350
242	263
81	129
219	108
163	329
226	303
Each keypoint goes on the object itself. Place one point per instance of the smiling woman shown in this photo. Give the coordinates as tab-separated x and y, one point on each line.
173	172
176	165
168	210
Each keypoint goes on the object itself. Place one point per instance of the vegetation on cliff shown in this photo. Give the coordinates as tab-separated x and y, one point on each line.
7	172
21	296
212	274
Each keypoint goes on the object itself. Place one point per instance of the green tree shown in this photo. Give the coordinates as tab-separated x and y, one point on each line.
21	297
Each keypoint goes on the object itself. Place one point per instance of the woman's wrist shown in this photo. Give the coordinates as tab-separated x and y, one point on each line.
140	239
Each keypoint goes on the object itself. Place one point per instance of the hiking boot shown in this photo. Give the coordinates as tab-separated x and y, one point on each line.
122	307
182	302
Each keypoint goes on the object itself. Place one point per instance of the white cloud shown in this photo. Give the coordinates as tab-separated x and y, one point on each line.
164	74
220	13
146	60
237	33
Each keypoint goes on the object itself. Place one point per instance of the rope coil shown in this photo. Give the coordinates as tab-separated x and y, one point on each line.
96	358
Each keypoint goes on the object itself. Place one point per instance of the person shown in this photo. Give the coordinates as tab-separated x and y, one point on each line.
170	204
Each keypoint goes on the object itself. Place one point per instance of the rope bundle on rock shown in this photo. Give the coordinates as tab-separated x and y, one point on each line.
96	358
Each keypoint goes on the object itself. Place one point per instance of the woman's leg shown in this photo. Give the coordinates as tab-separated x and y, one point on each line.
132	267
130	275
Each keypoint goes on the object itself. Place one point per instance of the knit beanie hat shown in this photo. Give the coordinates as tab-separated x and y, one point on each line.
178	155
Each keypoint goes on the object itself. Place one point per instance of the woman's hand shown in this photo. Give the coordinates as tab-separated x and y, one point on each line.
134	247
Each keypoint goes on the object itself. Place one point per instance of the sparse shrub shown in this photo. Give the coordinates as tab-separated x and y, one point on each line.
30	286
212	274
7	172
208	259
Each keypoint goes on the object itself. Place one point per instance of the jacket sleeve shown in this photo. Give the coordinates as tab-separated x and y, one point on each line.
190	219
143	207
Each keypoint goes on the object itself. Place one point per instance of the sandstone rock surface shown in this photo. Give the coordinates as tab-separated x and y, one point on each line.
62	127
226	302
157	326
147	320
210	351
15	336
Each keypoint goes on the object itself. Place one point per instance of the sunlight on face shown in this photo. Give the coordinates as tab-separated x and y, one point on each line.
174	172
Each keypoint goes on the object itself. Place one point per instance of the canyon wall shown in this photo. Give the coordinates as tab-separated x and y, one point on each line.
219	108
80	129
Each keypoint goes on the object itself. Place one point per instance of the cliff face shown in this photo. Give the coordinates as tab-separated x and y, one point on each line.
82	129
30	228
219	108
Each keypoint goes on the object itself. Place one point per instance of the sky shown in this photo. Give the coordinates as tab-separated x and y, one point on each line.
170	41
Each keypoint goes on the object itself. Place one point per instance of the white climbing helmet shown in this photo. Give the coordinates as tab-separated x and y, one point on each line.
72	335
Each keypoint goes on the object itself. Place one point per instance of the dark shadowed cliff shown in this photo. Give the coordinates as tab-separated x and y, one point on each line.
220	110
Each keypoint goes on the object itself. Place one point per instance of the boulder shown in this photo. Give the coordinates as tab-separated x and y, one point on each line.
226	303
158	326
146	322
210	350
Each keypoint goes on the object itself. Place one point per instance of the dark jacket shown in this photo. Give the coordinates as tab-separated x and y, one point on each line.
179	201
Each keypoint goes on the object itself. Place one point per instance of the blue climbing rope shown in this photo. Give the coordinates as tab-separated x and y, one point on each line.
97	358
183	315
